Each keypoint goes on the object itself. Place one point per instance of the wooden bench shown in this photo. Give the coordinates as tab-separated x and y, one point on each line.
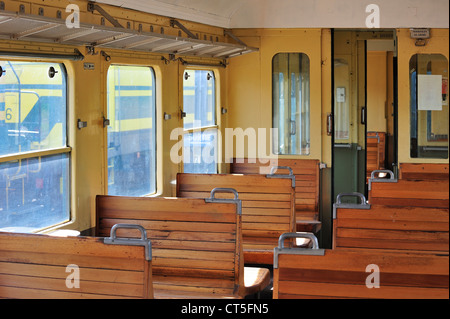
348	273
196	244
428	171
42	266
306	186
398	228
267	207
408	193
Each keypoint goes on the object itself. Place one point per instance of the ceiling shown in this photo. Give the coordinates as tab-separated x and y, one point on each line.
296	13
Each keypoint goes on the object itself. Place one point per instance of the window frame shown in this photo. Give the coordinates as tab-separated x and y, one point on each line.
45	153
275	149
415	152
156	130
202	129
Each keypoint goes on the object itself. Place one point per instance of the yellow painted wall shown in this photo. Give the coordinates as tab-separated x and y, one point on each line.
438	43
87	101
250	80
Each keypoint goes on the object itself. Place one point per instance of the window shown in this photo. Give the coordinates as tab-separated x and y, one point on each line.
34	156
290	103
199	122
132	131
429	115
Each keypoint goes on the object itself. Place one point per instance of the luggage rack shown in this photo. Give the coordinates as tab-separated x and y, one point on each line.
38	28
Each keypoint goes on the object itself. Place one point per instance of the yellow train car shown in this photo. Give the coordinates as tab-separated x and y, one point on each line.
347	99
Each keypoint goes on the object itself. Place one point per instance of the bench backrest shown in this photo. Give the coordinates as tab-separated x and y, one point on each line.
347	273
392	228
191	238
306	177
419	171
267	203
410	193
41	266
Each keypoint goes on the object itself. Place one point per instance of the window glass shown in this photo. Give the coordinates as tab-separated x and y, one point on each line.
200	138
32	107
290	104
199	102
429	116
200	152
34	185
131	131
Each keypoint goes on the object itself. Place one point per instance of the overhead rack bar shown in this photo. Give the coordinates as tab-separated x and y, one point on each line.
39	55
37	28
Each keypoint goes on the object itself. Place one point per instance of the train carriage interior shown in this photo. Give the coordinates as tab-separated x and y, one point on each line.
250	149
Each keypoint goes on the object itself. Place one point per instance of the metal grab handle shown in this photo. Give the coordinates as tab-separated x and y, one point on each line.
311	236
236	200
391	173
143	241
113	235
355	194
273	169
223	190
291	175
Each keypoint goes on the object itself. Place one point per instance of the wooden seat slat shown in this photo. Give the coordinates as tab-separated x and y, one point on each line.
392	228
410	193
343	274
35	266
420	171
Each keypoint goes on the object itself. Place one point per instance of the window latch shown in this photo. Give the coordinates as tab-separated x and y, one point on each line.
182	114
106	122
81	124
293	128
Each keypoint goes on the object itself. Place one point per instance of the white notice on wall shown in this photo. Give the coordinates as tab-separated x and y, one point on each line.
429	92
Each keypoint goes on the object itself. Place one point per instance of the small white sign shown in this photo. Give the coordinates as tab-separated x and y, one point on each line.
429	92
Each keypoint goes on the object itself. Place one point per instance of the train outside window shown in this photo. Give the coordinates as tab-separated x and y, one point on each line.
290	104
429	106
199	122
34	155
131	134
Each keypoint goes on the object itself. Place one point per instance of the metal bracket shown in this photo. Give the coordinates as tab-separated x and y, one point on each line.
92	6
143	241
291	175
235	38
314	250
177	23
236	200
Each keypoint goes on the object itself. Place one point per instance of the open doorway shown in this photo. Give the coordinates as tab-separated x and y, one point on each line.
364	108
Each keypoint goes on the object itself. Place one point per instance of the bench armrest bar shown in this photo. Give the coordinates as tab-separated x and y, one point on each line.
362	205
143	241
387	171
355	194
296	251
311	236
372	178
235	200
291	175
